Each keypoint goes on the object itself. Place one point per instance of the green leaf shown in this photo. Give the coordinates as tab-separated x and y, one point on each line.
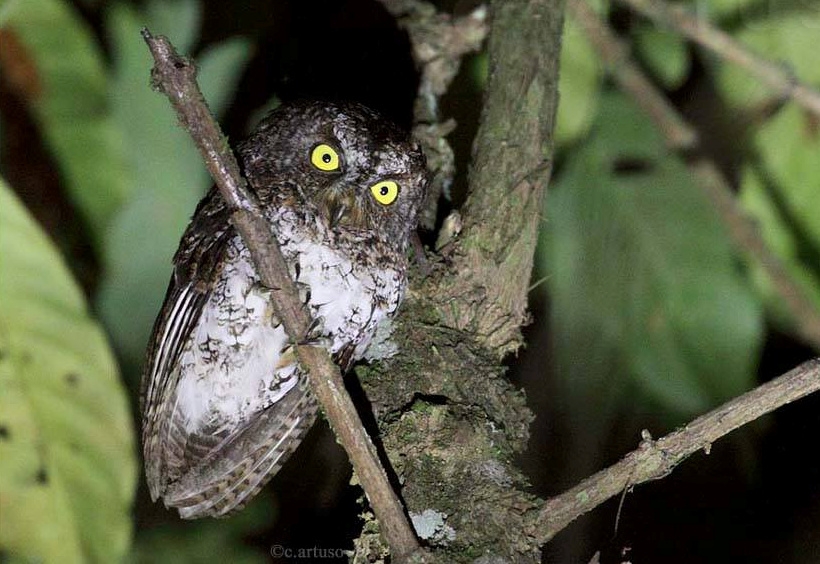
220	68
168	174
644	286
6	8
789	145
67	461
178	20
776	226
579	84
733	9
665	53
72	106
789	36
479	70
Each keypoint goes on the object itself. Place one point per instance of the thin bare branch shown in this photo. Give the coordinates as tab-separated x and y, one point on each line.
175	76
681	136
653	460
656	459
773	75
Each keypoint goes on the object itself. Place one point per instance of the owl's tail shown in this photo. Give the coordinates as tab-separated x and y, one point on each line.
228	484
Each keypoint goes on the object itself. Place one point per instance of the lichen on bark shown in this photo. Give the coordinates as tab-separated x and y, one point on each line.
449	420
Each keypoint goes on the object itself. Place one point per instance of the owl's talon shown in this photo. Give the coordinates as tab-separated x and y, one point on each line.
320	341
314	336
304	292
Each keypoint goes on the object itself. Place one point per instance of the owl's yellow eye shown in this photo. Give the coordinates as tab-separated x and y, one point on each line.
385	192
325	158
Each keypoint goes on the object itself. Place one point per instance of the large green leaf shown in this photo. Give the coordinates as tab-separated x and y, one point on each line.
67	461
644	286
169	177
72	106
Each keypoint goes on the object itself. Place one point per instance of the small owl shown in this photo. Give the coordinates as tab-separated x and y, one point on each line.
224	402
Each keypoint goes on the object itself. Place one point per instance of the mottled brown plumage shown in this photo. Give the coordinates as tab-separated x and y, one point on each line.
224	403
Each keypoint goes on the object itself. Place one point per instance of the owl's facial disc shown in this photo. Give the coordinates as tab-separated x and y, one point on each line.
342	162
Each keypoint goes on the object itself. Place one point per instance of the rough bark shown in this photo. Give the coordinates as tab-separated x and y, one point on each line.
449	420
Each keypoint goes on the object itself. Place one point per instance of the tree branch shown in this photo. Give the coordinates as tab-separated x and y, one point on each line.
771	74
175	76
450	422
680	135
656	459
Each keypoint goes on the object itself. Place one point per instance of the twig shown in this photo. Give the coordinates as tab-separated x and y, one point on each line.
175	76
771	74
680	135
677	134
655	459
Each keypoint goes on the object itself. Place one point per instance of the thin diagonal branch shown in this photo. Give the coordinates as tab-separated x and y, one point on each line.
773	75
682	136
655	459
175	76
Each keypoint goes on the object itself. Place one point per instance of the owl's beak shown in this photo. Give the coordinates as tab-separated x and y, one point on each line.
336	212
341	208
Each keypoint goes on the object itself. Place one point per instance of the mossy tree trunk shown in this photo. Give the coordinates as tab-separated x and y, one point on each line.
450	422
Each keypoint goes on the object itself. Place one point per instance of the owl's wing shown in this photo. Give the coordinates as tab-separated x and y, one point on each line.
196	264
210	471
232	467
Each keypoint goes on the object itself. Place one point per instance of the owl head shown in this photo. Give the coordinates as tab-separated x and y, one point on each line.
343	162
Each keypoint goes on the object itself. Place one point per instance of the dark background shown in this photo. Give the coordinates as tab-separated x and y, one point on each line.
754	498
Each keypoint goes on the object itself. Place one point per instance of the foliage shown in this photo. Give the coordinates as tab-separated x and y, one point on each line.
652	310
205	540
167	176
67	460
779	183
135	178
580	80
643	279
68	94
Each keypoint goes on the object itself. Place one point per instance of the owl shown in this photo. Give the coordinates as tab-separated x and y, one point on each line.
224	402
